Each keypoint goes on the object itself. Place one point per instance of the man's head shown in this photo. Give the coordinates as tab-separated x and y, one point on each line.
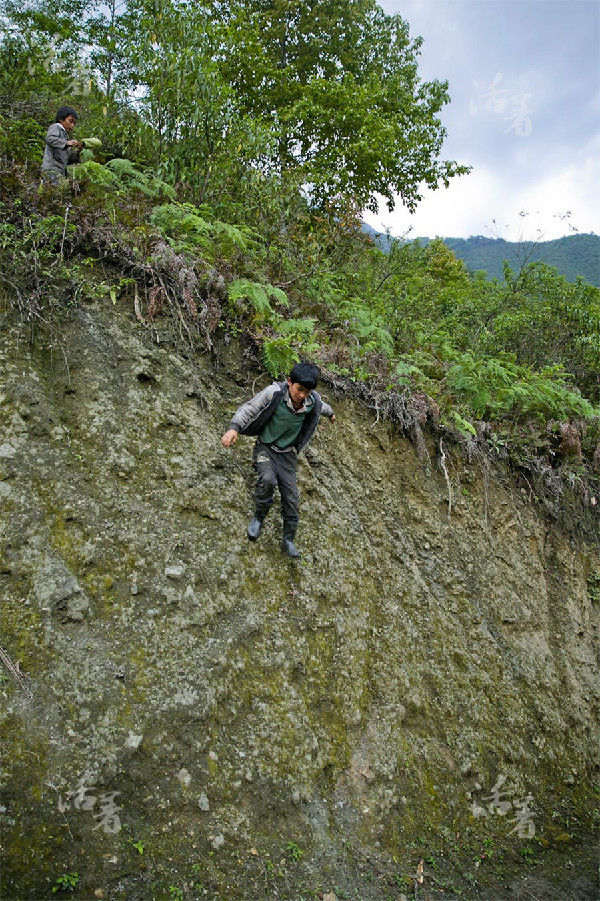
305	374
301	380
67	117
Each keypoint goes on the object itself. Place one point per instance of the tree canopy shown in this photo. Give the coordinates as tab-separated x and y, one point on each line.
338	84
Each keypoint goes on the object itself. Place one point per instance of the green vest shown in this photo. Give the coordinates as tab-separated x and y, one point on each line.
283	427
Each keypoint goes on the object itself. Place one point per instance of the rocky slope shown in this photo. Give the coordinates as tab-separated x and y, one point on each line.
188	716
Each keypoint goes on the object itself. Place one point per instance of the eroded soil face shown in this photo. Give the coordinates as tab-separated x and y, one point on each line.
201	717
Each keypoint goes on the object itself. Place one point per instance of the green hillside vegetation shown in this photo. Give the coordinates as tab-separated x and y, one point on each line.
221	198
574	256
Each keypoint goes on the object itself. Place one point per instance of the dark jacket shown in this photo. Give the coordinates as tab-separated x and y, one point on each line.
251	417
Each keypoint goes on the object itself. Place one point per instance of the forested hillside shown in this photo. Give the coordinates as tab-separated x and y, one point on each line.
574	256
215	219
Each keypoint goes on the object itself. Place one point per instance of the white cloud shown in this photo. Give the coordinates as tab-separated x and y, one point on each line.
479	204
574	190
465	208
546	49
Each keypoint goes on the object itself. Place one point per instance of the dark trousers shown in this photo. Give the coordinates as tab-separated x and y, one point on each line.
276	470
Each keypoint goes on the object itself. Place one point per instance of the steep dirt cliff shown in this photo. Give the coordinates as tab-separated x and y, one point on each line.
186	715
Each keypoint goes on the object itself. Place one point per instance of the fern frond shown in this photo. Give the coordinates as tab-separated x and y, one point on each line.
193	228
258	294
301	328
96	174
495	388
243	289
181	224
369	328
234	237
131	177
279	356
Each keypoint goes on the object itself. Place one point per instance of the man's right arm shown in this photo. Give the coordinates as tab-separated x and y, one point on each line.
247	413
251	410
229	438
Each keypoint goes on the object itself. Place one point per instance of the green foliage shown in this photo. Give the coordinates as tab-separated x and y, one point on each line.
574	256
296	852
97	176
138	845
258	295
593	587
134	180
195	229
251	136
295	339
21	139
368	328
460	424
329	93
297	328
279	356
497	387
66	883
119	177
338	85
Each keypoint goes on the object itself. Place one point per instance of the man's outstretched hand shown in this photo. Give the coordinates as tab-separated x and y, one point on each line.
229	438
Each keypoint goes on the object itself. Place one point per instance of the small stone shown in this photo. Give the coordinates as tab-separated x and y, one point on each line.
133	741
185	777
217	841
175	570
203	802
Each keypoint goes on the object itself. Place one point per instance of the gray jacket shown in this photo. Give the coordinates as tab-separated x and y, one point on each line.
57	155
251	417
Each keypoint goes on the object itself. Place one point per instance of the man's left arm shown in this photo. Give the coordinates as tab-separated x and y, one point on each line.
327	411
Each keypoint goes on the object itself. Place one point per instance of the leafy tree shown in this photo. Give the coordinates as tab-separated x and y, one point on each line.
337	84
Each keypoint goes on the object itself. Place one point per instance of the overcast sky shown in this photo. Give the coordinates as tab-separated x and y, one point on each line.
524	78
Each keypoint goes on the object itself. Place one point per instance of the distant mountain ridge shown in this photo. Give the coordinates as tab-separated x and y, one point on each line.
573	256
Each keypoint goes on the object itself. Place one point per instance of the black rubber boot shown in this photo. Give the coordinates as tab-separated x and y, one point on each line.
287	543
254	527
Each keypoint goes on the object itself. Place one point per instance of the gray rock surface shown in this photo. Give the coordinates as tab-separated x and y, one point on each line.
205	718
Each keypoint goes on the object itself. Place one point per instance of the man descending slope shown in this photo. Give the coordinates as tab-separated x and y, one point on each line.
284	416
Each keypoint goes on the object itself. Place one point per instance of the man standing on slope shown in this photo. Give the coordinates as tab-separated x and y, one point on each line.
284	416
61	148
